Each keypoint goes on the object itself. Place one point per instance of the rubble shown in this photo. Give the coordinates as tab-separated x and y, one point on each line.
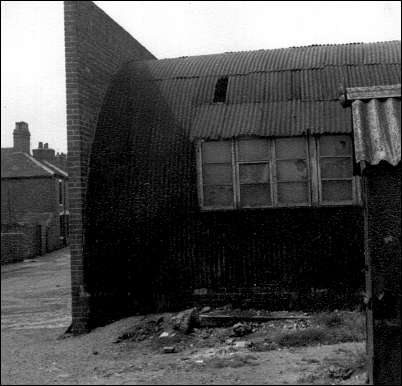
241	329
185	321
169	349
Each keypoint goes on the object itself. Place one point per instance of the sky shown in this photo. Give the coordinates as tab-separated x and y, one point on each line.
32	43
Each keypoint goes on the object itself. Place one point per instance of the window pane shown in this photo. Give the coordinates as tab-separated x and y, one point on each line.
295	170
292	192
217	174
291	147
336	167
253	173
335	145
255	195
253	149
218	196
337	191
217	151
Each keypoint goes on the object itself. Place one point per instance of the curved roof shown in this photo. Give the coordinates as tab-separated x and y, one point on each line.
267	87
281	59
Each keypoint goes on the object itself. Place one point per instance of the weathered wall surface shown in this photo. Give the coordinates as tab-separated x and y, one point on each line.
95	48
384	236
150	247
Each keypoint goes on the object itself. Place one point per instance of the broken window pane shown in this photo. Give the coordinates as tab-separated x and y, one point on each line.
293	192
336	167
253	173
217	174
253	149
217	152
218	196
289	148
293	170
335	191
337	145
255	195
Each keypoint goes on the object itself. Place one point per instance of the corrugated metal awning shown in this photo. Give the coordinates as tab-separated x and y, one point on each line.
376	125
285	118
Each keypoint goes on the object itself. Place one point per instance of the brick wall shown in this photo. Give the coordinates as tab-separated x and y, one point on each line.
11	247
19	242
384	244
95	48
26	195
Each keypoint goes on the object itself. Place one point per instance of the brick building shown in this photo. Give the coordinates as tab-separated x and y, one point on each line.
34	202
234	177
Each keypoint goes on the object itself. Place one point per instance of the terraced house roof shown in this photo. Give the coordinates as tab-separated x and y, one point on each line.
286	91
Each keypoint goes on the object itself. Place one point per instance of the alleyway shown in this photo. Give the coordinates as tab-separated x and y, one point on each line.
36	293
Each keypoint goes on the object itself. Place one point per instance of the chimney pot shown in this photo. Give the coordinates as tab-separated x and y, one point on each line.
46	145
40	145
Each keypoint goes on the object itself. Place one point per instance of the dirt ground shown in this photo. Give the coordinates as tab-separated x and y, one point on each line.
35	313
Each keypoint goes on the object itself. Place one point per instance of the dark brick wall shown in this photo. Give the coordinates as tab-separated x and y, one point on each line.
95	48
384	244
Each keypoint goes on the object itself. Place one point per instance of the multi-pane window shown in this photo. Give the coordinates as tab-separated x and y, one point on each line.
292	174
253	170
260	172
217	174
336	168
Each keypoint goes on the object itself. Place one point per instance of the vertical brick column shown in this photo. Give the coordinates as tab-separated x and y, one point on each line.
95	48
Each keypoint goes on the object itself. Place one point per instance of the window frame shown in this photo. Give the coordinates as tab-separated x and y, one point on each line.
314	180
61	192
356	187
237	162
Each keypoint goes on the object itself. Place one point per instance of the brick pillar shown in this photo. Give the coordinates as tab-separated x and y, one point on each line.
95	48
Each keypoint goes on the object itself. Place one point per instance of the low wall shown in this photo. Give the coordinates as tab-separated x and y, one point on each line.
12	247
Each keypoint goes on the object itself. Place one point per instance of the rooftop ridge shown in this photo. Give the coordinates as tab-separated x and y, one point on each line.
274	49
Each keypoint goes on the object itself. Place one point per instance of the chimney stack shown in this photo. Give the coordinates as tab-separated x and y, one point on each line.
22	138
43	153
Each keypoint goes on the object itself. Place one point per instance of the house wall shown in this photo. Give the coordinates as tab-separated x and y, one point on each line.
149	247
25	204
20	196
95	48
384	245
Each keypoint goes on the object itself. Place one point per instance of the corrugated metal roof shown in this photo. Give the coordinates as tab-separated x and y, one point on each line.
301	82
377	130
293	58
286	118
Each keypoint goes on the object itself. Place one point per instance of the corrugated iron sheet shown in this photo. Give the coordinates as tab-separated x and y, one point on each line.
293	89
293	58
377	130
286	118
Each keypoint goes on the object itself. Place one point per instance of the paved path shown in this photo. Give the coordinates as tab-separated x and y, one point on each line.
36	293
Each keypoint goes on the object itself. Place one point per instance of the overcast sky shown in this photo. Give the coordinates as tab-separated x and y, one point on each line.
32	43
